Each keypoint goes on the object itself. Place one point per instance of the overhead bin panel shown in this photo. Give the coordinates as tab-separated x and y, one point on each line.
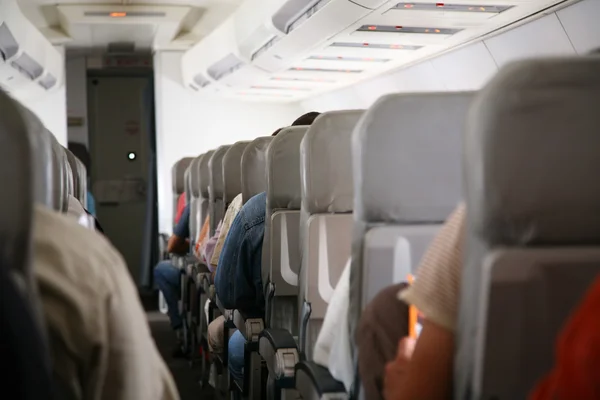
29	64
316	23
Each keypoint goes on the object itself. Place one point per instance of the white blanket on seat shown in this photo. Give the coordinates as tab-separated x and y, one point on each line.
332	349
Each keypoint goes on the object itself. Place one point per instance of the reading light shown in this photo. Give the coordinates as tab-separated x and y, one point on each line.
118	15
451	7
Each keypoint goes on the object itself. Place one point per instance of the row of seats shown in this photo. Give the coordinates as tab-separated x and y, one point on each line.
72	324
375	186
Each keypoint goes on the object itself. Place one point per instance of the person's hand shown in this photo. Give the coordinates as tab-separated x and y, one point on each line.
395	371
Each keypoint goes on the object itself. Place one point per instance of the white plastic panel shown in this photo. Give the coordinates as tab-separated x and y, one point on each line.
580	21
419	78
543	37
468	68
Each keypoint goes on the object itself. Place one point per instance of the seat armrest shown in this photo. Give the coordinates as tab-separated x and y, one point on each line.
279	350
249	325
311	378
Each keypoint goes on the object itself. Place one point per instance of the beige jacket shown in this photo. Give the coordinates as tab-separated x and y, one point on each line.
101	344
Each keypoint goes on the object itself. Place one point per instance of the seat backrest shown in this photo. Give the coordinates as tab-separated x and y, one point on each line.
281	245
254	164
25	156
194	185
407	178
204	185
178	180
63	175
533	221
78	174
216	206
326	216
232	172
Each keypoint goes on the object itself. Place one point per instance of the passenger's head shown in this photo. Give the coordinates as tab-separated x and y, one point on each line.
277	131
306	119
595	52
81	152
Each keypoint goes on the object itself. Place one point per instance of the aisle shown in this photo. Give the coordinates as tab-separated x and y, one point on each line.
185	378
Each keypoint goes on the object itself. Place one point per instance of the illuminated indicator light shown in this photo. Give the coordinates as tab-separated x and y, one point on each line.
131	156
365	44
437	31
118	14
368	59
439	4
408	5
426	30
482	8
398	27
372	28
340	58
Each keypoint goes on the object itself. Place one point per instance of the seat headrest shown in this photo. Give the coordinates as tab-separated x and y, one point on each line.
533	154
326	163
205	174
41	140
16	175
76	173
195	176
283	169
178	174
232	171
254	168
407	153
215	166
62	175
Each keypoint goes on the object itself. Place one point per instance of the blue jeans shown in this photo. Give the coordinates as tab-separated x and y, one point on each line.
167	278
235	356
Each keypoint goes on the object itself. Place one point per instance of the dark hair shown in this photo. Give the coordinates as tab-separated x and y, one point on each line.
81	152
595	51
277	131
306	119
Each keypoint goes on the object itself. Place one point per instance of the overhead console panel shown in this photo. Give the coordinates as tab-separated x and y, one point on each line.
293	49
29	64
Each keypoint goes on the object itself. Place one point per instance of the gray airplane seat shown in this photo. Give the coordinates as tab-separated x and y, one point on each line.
407	176
178	179
204	186
533	221
253	182
281	255
232	172
194	266
79	176
216	206
195	212
25	155
325	228
254	165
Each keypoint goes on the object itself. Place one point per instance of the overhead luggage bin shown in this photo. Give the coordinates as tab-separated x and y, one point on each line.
29	65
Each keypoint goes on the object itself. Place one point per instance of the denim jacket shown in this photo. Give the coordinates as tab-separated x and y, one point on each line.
238	281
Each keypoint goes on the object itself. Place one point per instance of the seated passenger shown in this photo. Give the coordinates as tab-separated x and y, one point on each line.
435	294
167	276
100	341
576	374
216	327
238	280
